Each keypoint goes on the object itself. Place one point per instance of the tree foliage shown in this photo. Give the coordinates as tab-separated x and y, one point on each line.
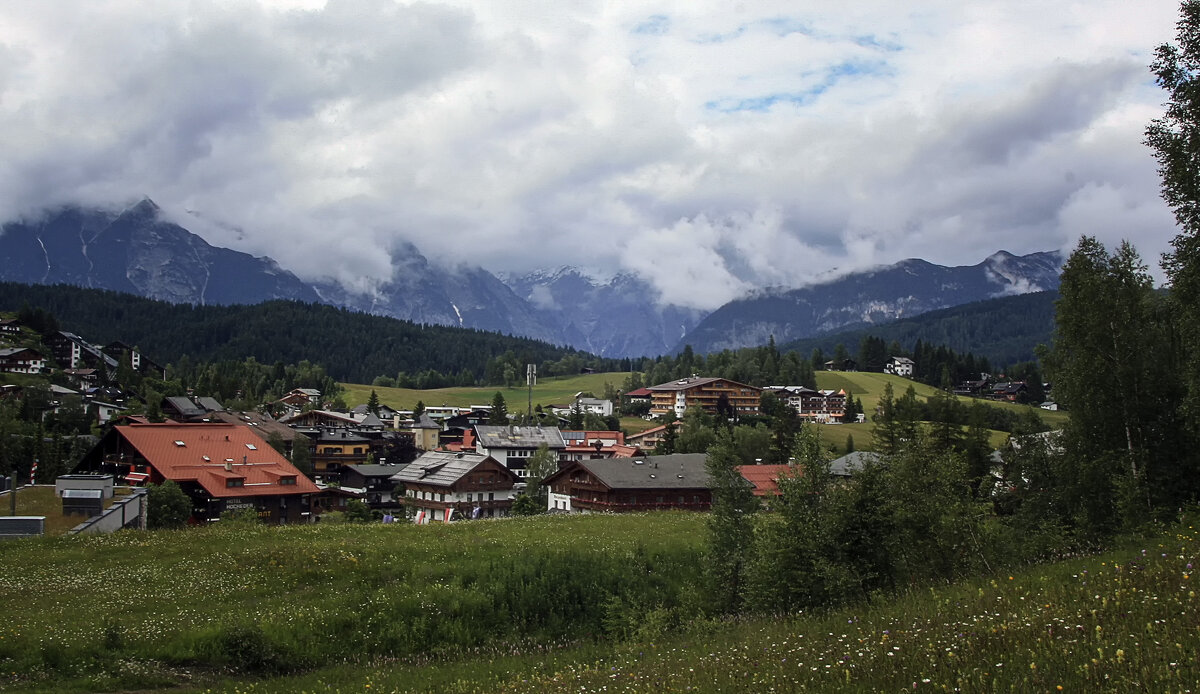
167	506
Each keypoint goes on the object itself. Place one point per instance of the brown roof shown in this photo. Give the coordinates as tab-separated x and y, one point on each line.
765	477
202	452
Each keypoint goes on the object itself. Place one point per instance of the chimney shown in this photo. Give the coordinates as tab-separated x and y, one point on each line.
229	465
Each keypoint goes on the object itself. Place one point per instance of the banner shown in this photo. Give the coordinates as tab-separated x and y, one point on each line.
419	518
449	512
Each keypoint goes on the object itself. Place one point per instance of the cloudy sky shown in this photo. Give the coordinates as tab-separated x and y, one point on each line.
711	146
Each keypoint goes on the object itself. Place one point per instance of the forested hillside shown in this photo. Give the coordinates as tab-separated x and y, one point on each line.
1003	331
351	346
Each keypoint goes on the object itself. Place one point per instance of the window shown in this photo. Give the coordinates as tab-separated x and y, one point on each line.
252	447
469	497
287	480
491	496
234	482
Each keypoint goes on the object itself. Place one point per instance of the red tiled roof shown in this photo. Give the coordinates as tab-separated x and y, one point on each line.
639	393
203	452
765	477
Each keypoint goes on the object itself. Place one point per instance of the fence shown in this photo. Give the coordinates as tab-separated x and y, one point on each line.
124	513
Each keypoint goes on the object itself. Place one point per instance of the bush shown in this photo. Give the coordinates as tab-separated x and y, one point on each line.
168	506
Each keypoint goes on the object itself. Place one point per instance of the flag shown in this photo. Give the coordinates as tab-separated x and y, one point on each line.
419	518
449	512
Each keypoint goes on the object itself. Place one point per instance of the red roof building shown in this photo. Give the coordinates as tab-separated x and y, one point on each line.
221	467
765	478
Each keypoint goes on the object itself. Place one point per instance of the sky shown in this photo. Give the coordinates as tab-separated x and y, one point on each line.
710	147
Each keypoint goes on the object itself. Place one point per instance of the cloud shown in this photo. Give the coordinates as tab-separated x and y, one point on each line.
712	148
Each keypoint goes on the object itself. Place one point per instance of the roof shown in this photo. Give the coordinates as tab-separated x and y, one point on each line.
184	406
201	452
903	360
425	422
10	351
374	470
852	462
639	393
209	404
443	469
765	477
261	424
677	471
694	382
518	437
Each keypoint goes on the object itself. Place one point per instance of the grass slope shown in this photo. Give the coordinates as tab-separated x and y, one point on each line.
1125	620
548	391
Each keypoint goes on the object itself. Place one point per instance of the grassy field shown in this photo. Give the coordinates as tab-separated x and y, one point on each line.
143	609
548	391
1125	620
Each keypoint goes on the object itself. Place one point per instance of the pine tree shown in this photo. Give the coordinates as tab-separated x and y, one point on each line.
730	525
499	414
373	403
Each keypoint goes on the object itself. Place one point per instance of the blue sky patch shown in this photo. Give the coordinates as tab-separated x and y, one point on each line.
655	25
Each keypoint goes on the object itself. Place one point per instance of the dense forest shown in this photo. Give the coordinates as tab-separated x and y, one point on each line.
1003	331
354	347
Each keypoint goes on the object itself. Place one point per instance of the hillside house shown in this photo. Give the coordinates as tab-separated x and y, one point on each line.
900	366
621	485
512	446
137	361
375	481
221	467
765	478
841	365
22	360
10	326
443	486
820	406
706	393
591	445
73	352
649	439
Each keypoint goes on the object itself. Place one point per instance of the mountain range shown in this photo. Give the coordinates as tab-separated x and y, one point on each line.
135	250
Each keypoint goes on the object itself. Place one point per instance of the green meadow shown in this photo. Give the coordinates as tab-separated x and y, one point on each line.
562	604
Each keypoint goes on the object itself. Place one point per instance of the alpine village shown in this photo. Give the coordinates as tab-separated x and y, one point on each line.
287	496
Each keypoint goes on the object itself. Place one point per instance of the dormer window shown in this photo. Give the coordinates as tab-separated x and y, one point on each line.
287	481
235	482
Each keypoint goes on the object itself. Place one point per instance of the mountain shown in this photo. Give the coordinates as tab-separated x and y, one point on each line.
908	288
1004	330
135	251
614	318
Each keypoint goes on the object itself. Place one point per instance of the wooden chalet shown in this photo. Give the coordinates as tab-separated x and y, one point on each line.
621	485
444	486
705	393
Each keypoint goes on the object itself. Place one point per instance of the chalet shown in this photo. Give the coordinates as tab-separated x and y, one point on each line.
649	439
329	418
853	462
185	408
900	366
821	406
264	426
456	426
619	485
104	411
1008	392
639	395
705	393
972	388
512	446
221	467
84	378
10	326
765	478
376	483
841	365
336	448
596	406
591	445
383	412
443	486
22	360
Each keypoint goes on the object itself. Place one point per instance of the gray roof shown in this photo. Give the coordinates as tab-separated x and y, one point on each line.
676	471
439	468
375	470
184	406
425	422
210	404
518	437
685	383
852	462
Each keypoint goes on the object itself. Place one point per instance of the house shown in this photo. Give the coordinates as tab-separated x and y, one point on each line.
105	411
649	439
1008	392
765	478
821	406
444	486
73	352
329	418
384	413
137	361
426	433
336	448
264	426
512	446
183	409
841	365
639	395
596	406
221	467
900	366
375	481
1049	405
705	393
9	326
620	485
972	388
852	462
22	360
84	378
595	444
